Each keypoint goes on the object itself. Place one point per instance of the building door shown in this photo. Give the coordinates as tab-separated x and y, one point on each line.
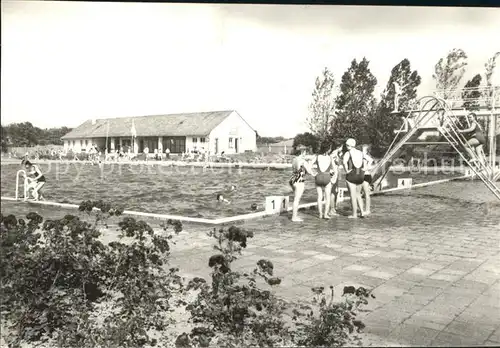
236	145
216	145
174	144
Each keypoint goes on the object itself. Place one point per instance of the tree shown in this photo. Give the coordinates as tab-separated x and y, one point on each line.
323	105
269	140
471	93
449	71
306	139
354	104
4	139
383	122
25	134
490	67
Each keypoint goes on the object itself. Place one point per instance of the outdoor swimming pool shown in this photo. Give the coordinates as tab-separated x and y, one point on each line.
191	191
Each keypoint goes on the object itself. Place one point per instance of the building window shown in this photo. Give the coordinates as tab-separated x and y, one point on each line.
195	140
230	143
202	140
81	143
73	143
86	142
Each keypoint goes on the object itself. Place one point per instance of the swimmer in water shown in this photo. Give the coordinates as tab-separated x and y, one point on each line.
353	165
221	199
254	206
300	167
37	179
323	180
231	188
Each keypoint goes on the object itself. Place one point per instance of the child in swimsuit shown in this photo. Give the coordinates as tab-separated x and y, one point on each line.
475	139
221	199
366	185
38	179
336	157
323	180
297	182
353	163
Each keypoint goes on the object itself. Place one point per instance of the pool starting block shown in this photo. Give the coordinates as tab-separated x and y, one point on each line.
277	204
405	183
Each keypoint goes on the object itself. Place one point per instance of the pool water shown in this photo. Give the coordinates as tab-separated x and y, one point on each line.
191	191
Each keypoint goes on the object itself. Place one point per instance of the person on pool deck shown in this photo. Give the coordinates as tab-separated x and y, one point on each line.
300	167
366	186
323	179
38	178
353	165
475	138
336	157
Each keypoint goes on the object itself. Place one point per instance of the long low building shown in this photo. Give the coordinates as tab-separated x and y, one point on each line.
214	132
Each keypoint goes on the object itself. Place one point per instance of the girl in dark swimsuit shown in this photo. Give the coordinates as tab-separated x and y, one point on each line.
475	139
38	178
353	163
323	180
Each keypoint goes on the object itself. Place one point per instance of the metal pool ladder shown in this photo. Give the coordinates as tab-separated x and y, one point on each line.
25	197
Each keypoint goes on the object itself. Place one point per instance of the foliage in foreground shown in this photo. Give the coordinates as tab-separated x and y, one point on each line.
242	308
61	283
63	286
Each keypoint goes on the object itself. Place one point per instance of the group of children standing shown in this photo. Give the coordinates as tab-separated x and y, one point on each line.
357	165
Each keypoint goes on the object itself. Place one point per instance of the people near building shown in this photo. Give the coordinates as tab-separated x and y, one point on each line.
322	179
476	139
202	154
36	179
167	153
300	168
355	176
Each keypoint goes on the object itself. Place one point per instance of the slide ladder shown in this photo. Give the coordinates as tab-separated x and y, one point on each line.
450	130
419	121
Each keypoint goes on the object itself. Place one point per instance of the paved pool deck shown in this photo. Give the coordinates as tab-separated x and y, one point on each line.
432	287
435	269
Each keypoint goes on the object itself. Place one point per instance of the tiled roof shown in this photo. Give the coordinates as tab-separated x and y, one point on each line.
200	123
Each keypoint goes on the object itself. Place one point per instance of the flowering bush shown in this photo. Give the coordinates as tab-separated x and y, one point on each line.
62	285
241	309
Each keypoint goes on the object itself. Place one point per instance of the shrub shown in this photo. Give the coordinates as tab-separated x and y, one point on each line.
62	285
241	309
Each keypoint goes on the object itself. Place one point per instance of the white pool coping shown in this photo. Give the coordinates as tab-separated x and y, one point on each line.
224	220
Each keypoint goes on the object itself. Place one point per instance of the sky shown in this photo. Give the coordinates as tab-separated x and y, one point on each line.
66	62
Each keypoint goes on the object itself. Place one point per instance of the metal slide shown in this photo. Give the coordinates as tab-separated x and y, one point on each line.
484	171
449	129
420	120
